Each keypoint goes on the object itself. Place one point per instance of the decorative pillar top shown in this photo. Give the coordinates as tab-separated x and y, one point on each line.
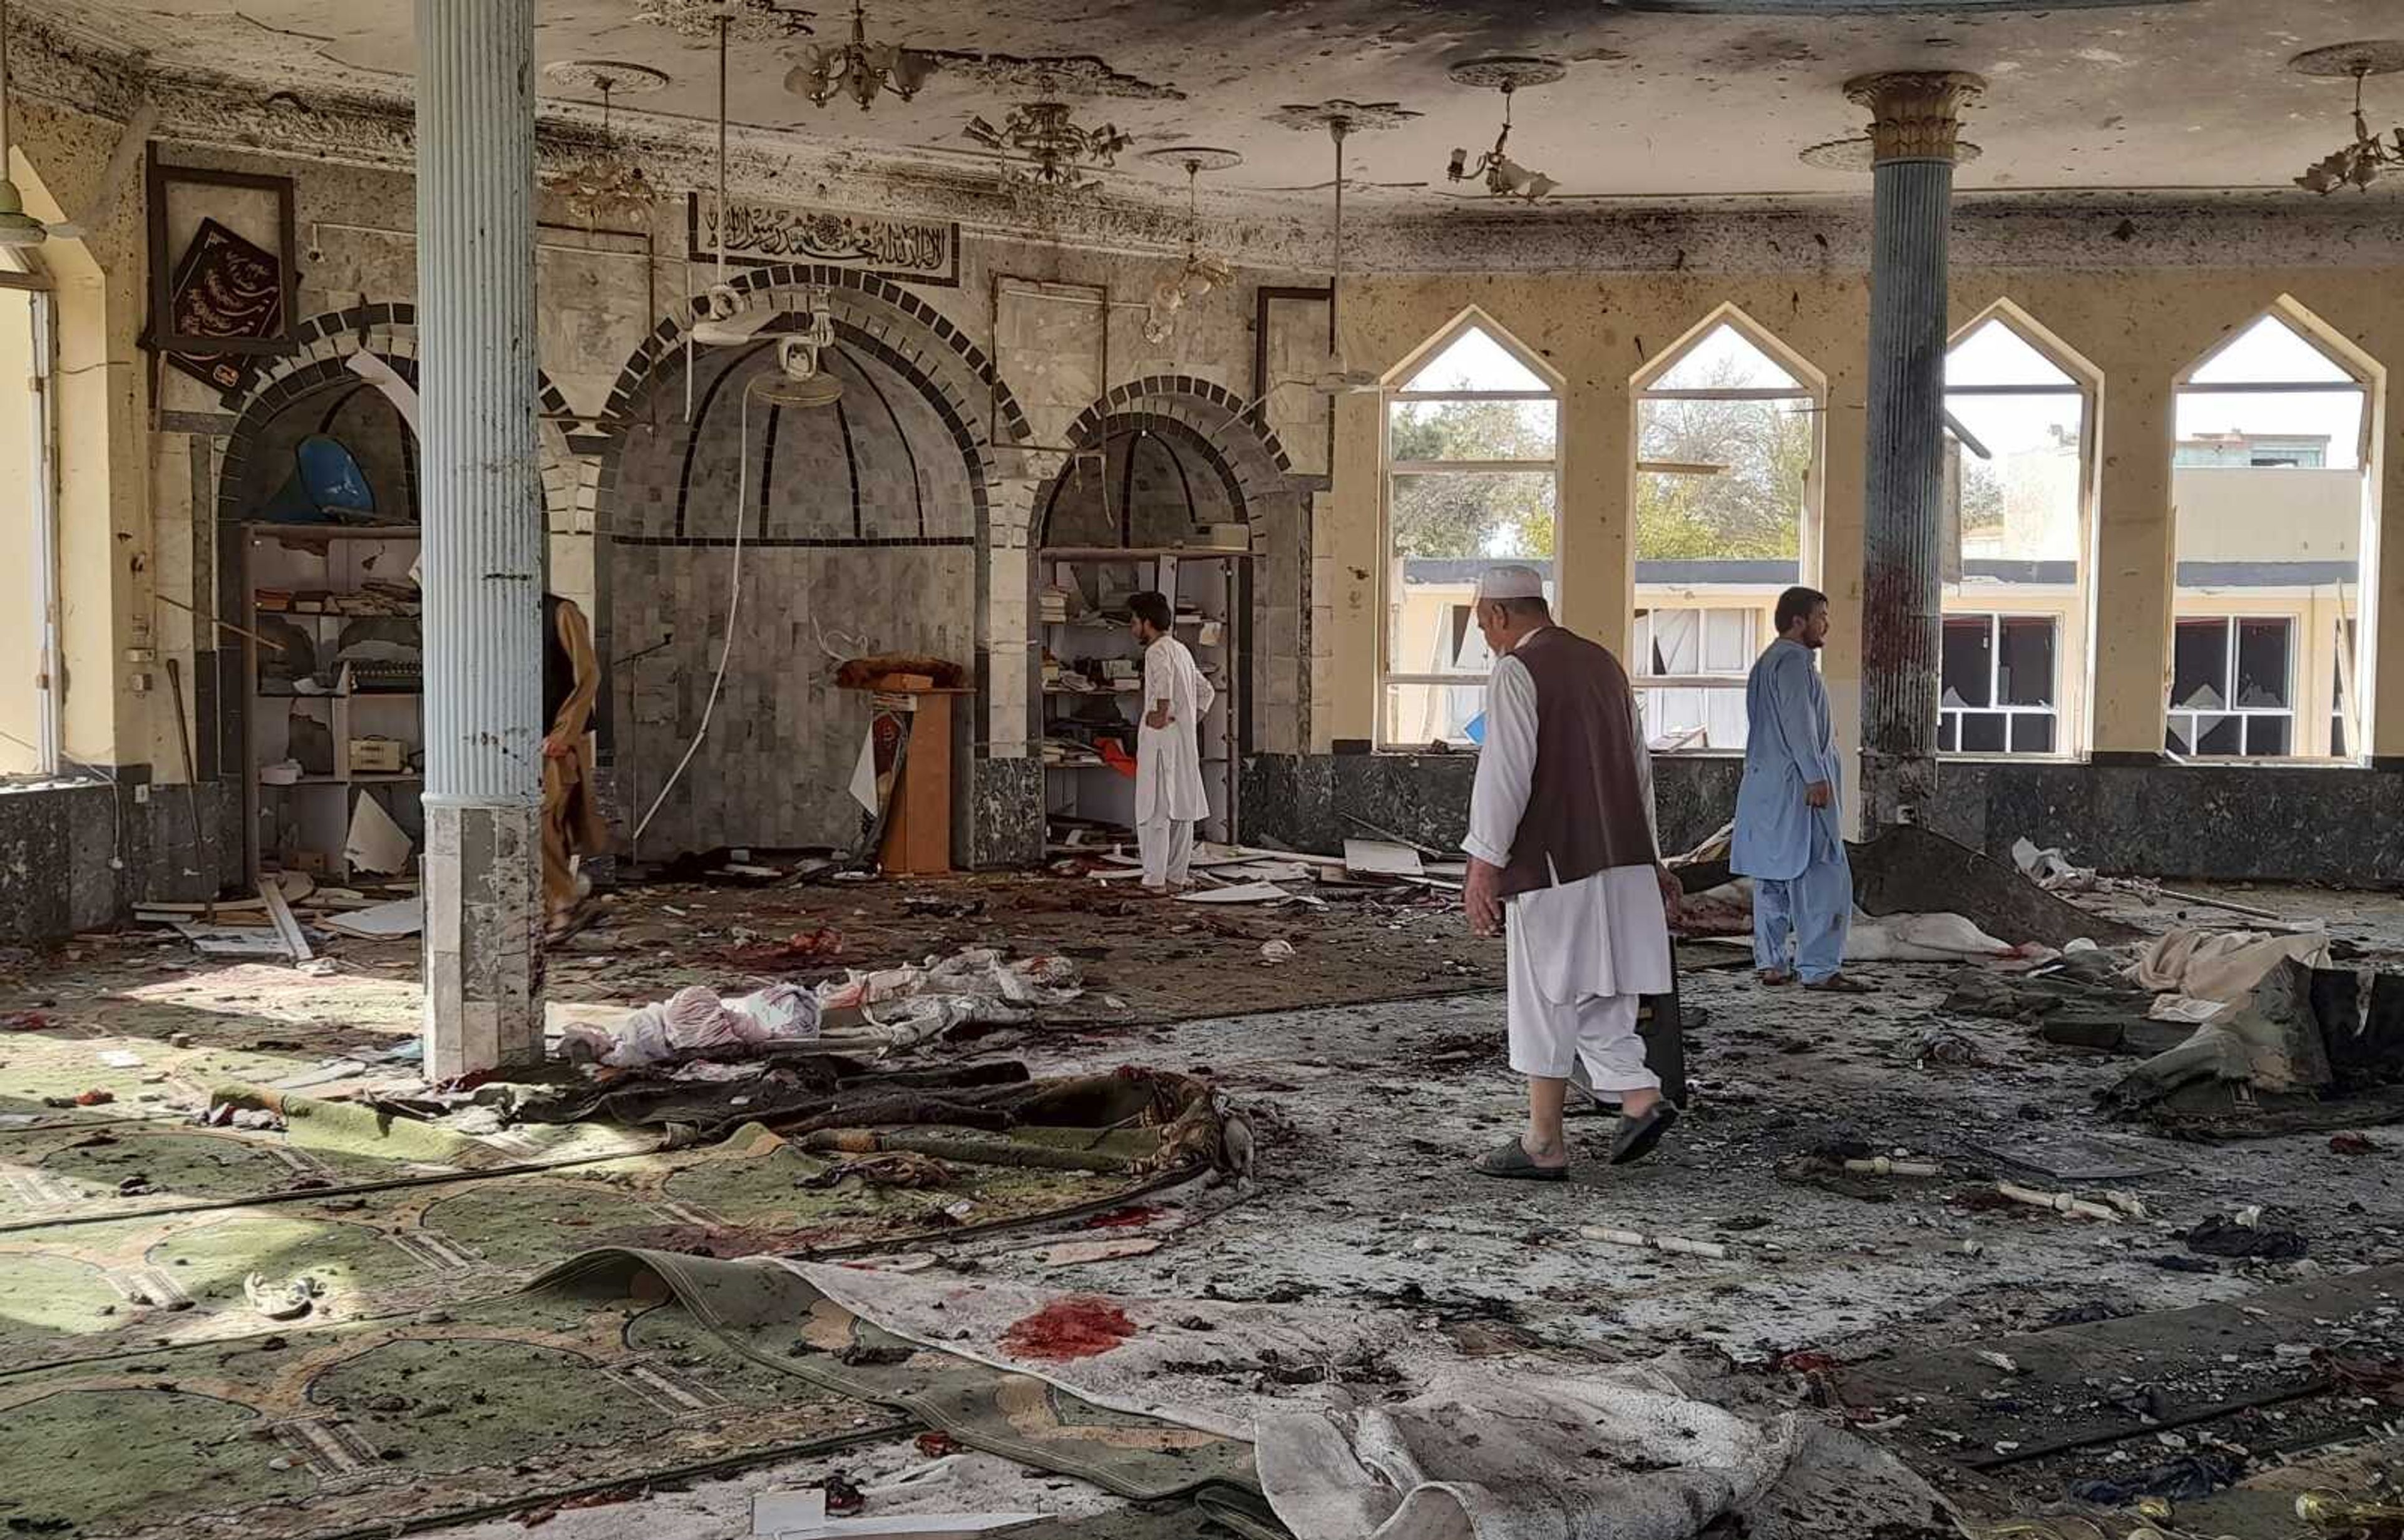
1914	114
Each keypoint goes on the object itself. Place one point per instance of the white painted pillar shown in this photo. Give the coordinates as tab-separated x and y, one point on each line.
481	471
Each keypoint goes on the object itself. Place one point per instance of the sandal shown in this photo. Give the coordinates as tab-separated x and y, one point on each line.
1635	1136
1512	1163
1775	978
1837	984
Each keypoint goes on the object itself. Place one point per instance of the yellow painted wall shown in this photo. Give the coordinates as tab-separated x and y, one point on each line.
2140	329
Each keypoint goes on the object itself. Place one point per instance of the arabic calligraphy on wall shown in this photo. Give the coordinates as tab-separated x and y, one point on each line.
915	251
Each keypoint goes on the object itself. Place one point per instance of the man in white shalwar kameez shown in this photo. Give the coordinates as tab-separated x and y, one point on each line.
1564	858
1170	799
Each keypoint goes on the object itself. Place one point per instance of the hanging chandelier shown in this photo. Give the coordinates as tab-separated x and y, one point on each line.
2361	162
600	182
1503	176
858	69
1200	274
1048	151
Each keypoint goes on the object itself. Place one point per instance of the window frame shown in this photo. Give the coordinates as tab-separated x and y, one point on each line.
1995	704
40	586
2073	710
1643	683
2290	713
1809	388
1389	678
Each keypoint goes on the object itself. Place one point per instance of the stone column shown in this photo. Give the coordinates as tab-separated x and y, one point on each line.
1913	150
484	534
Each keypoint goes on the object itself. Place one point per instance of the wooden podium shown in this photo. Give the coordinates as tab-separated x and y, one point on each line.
918	820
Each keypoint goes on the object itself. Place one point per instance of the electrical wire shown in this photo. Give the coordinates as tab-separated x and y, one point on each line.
734	603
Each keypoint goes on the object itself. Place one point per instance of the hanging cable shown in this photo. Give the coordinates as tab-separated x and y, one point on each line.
734	602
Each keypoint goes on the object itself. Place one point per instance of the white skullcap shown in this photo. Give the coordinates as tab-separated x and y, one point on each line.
1510	582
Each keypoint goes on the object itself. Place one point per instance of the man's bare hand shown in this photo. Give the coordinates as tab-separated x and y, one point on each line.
1158	718
1673	896
557	748
1481	898
1819	795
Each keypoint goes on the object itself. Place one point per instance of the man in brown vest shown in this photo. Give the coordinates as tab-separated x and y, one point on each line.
1562	840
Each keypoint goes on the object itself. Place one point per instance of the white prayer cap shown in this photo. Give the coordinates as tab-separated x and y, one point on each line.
1509	582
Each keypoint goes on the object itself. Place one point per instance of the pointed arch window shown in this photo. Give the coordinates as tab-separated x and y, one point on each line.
2019	466
1728	447
2270	479
1473	480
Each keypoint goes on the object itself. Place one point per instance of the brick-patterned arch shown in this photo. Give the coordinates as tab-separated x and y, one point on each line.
389	331
933	347
1129	399
1259	477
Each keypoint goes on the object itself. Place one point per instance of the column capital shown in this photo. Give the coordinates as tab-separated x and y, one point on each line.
1914	114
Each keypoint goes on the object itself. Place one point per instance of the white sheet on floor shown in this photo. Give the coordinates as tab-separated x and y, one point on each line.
1921	938
2222	965
1470	1450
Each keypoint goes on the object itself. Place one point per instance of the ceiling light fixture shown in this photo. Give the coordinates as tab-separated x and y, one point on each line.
1200	274
2357	164
1503	176
802	378
860	69
600	182
17	227
1048	151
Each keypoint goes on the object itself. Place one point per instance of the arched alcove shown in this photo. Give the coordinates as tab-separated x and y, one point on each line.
856	525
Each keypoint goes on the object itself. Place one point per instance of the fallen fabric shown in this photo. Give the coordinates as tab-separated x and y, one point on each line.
1910	869
2220	965
694	1023
1488	1450
1923	938
303	1429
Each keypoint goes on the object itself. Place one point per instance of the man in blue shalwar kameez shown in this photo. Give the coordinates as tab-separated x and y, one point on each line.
1789	818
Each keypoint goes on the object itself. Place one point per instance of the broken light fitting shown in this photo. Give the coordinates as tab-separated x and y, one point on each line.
2361	162
1047	148
1201	274
1503	176
860	69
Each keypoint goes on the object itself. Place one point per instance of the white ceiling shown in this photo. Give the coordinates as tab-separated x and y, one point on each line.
1664	98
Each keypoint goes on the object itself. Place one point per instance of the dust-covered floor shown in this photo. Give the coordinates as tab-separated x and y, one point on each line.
1368	1104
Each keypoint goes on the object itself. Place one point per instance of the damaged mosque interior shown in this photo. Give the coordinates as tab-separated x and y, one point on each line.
1321	770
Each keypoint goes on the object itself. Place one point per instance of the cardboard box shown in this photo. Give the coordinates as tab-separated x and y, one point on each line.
378	756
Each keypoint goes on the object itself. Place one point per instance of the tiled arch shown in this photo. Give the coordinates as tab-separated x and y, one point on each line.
389	331
1259	478
933	347
1175	394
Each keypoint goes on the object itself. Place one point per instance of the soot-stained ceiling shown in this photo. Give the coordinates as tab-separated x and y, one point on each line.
1663	99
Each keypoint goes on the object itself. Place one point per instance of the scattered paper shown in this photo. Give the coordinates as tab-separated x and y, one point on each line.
234	941
863	773
399	918
121	1058
1246	892
376	844
1377	858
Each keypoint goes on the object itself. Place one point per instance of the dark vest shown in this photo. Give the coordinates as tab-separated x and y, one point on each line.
1585	809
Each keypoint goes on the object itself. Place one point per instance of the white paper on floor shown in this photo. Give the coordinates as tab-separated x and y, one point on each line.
1334	1469
376	844
380	922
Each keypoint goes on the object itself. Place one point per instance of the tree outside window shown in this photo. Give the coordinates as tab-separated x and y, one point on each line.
1473	482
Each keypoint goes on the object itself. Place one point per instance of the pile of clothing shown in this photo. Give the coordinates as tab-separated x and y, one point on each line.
694	1023
885	1011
